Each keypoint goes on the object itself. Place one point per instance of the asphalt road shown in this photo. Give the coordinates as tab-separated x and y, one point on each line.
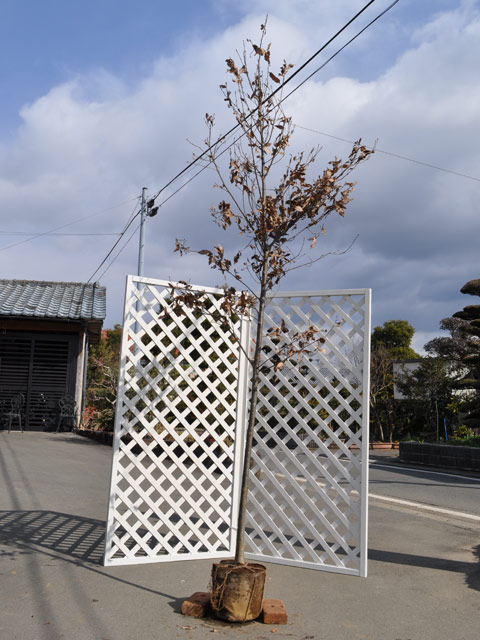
431	487
423	583
434	487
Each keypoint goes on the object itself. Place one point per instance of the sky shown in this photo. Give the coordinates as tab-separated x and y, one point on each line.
100	99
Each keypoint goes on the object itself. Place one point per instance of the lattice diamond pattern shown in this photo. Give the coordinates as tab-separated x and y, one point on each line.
179	429
308	476
173	489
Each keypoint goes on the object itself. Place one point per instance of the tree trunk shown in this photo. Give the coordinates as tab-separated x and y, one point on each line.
242	509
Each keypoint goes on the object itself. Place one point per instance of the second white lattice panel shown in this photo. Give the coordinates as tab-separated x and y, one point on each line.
308	481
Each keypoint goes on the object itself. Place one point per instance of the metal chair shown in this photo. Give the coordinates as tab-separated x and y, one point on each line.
68	411
16	404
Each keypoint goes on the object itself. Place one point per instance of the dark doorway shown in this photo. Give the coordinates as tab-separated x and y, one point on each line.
43	368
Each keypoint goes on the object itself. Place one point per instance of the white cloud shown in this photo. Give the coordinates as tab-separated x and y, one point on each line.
94	141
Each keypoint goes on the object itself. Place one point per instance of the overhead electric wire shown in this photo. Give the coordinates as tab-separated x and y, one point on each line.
190	165
63	226
29	233
184	184
133	216
324	64
113	248
279	88
394	155
119	252
222	138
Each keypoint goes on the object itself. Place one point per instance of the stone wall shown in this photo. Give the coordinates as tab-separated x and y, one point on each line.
440	455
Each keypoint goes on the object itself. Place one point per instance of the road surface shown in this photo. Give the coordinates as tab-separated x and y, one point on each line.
434	487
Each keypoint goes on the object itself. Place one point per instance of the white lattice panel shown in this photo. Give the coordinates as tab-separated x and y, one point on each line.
309	477
179	434
173	489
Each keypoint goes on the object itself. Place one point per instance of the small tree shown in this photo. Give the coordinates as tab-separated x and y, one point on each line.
382	403
276	212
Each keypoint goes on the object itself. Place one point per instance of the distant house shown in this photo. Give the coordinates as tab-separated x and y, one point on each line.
45	330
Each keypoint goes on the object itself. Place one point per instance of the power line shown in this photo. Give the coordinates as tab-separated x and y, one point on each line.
115	245
184	184
28	233
119	252
279	88
322	66
394	155
64	226
367	26
131	218
235	127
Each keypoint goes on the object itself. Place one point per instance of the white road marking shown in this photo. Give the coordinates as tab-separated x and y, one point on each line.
426	507
426	471
405	503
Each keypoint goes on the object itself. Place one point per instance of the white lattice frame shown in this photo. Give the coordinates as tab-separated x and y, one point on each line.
359	486
242	399
114	519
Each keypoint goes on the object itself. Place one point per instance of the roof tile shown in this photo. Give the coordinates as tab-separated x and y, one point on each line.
66	300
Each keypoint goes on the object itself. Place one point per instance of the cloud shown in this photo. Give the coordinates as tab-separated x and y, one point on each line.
88	146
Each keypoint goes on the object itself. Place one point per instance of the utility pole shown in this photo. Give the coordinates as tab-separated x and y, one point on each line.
147	210
141	244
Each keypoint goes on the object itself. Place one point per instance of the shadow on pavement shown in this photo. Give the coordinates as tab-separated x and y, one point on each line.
470	569
72	438
80	539
473	578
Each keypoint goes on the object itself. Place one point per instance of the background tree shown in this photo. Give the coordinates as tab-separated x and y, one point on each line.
277	212
102	380
396	337
462	349
391	341
428	392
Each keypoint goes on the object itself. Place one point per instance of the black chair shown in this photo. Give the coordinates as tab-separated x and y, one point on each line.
16	404
68	411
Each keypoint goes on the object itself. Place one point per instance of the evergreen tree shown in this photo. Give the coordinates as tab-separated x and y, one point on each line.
462	349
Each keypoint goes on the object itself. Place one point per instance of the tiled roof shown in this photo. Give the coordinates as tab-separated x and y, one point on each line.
63	300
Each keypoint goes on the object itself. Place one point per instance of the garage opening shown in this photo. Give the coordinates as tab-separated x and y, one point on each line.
43	369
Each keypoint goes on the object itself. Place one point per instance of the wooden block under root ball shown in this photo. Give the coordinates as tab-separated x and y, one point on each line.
274	612
197	605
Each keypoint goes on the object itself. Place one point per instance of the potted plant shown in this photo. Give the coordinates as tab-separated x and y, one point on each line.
273	212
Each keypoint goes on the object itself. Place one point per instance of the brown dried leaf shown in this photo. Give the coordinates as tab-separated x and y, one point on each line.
274	78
